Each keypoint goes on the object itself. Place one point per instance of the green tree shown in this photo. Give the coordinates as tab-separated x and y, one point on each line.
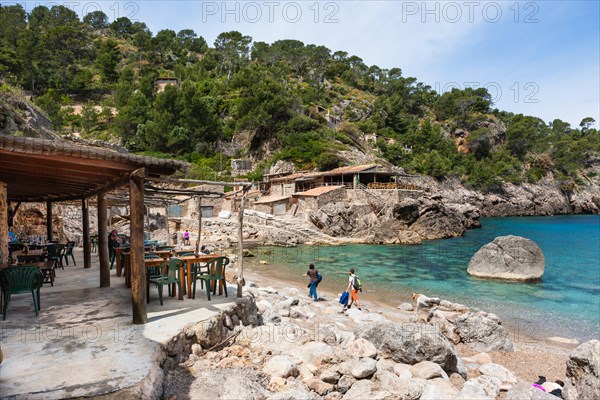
108	59
89	117
51	104
232	49
96	19
122	27
526	133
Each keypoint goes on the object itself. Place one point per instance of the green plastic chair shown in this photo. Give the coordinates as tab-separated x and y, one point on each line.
21	279
153	272
216	272
55	253
94	244
69	253
172	267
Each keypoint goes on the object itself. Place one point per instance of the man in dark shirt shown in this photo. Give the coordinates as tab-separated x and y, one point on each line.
314	277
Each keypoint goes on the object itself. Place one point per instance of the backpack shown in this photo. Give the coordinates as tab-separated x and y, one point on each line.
357	284
319	278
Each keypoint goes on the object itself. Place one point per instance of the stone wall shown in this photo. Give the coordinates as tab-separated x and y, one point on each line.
388	196
3	222
329	197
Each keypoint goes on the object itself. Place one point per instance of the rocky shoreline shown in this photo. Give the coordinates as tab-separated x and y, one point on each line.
302	349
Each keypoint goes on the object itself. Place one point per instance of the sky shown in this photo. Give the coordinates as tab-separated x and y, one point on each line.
538	58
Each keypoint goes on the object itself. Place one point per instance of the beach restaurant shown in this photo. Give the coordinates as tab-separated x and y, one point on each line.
47	171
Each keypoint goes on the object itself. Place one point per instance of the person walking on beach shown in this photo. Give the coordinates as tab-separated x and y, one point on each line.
314	277
353	288
186	238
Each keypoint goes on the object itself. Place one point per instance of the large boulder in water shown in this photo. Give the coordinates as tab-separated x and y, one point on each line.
583	375
508	257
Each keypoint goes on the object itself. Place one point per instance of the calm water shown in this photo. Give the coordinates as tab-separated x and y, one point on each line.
565	303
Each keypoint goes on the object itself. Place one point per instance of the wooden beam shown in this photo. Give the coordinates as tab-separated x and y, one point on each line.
103	242
168	230
240	263
198	182
49	220
138	269
87	251
199	224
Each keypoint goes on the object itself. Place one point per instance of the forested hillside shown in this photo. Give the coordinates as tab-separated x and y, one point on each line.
287	100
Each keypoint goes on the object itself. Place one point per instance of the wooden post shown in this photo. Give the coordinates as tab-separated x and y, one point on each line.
240	263
168	231
4	224
199	224
138	269
87	251
103	242
49	221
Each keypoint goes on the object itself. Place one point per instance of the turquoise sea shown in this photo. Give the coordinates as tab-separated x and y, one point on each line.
566	302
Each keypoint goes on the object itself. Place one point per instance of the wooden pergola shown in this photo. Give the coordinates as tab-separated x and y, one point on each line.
39	170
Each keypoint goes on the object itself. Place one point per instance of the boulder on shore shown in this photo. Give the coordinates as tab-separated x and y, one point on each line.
508	257
583	376
411	344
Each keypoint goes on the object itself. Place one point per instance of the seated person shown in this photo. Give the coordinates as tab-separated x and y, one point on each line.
113	242
12	238
204	250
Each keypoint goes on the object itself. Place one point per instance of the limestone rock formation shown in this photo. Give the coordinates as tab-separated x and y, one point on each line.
508	257
412	343
583	375
19	117
483	332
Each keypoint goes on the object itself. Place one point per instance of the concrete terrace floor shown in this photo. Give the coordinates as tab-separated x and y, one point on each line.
83	342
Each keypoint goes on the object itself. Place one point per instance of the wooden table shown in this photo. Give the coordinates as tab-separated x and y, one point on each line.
29	253
189	260
48	270
186	283
165	254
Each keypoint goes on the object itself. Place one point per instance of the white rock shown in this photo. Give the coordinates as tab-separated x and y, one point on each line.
384	364
499	372
293	394
365	368
559	339
330	375
361	348
282	366
320	387
428	370
388	380
481	358
437	389
360	390
277	384
345	383
483	387
473	391
197	349
308	352
403	371
263	306
406	307
508	257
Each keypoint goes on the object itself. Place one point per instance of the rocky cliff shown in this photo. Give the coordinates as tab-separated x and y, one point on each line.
20	117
